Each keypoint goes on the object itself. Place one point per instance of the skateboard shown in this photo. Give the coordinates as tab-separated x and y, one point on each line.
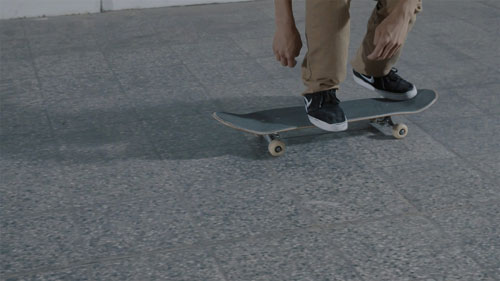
270	123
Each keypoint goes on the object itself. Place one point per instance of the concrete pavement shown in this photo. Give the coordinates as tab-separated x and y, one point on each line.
113	169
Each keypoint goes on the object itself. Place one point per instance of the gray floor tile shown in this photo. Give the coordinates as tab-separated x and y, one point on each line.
105	142
70	114
490	3
32	187
469	10
137	59
111	182
449	105
239	71
77	273
246	95
12	29
21	108
188	266
121	28
197	174
17	69
187	33
14	49
488	163
426	53
343	195
480	49
189	99
466	136
487	24
476	73
78	87
210	52
174	133
176	25
71	26
36	242
231	22
29	147
442	184
108	148
131	226
25	119
482	97
241	209
121	36
19	91
61	43
257	30
257	47
409	248
71	64
110	43
302	256
156	78
475	230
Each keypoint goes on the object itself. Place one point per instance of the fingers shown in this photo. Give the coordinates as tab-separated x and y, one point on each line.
394	50
377	52
286	60
387	50
281	59
384	50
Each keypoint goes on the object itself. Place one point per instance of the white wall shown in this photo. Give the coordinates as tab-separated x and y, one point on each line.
35	8
133	4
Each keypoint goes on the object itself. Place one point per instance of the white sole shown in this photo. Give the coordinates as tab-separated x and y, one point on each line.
387	95
339	127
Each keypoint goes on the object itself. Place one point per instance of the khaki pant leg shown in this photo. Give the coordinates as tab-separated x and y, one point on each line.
378	68
327	35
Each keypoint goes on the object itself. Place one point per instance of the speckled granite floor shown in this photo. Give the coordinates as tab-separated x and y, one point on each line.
113	169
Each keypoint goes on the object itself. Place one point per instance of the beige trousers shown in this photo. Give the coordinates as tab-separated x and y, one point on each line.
327	35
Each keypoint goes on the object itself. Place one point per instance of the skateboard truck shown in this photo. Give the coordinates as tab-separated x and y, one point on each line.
276	147
399	130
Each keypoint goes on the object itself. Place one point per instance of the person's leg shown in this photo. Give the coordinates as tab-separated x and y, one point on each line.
366	66
327	35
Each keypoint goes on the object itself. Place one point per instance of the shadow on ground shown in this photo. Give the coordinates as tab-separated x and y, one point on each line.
180	130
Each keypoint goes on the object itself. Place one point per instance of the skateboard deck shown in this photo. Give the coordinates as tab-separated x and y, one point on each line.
270	123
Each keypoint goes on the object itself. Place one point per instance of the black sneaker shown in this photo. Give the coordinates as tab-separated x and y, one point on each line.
391	86
324	111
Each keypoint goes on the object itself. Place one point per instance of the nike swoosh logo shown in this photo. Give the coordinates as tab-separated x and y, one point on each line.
308	103
370	79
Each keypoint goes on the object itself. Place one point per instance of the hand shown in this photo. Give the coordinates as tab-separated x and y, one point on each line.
287	44
390	36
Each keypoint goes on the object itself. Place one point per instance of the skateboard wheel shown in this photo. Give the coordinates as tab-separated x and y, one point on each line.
399	131
276	148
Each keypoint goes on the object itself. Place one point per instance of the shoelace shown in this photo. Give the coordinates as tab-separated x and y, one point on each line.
323	98
393	74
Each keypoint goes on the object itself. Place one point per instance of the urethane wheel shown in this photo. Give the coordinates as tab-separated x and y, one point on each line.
399	131
276	148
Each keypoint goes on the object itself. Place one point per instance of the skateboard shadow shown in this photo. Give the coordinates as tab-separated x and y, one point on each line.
172	131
